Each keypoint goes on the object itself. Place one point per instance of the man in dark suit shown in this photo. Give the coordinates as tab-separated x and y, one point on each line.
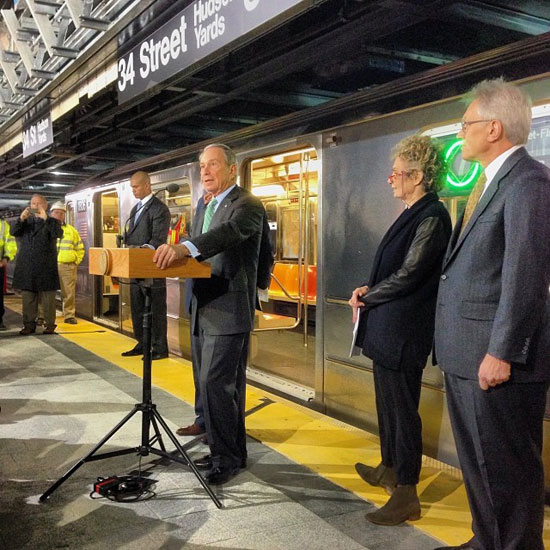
492	336
228	233
265	266
148	225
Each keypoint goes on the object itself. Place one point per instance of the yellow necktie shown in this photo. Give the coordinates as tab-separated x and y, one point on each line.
473	199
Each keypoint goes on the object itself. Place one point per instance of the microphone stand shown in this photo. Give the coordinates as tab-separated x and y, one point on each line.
150	418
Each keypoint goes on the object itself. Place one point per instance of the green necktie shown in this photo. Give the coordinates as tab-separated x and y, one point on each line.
209	214
473	199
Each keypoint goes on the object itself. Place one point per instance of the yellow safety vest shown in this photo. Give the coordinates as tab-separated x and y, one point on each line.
8	246
70	248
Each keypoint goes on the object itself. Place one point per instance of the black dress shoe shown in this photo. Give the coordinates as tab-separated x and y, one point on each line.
217	475
132	352
155	355
205	463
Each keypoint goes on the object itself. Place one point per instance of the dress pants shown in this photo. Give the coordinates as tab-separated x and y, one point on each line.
400	426
67	278
219	364
158	320
30	308
498	435
196	360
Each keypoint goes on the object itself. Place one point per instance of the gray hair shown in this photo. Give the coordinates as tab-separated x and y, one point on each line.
230	156
42	198
501	100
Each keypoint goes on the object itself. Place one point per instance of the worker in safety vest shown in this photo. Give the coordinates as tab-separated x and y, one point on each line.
70	251
8	248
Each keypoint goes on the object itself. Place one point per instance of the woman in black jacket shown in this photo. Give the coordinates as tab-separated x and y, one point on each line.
397	309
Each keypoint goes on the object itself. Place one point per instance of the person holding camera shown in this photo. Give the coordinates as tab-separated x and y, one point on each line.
36	264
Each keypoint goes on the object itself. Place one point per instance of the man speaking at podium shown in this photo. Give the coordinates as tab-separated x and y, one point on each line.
148	225
228	234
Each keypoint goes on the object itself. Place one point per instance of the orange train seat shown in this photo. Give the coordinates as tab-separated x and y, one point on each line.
287	274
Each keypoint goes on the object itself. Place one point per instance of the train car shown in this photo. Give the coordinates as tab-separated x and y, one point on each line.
328	205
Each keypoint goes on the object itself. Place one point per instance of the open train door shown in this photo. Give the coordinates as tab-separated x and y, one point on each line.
282	351
106	301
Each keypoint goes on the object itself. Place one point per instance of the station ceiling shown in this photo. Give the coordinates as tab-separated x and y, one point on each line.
333	52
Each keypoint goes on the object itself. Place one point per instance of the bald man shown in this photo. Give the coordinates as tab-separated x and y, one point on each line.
36	265
148	225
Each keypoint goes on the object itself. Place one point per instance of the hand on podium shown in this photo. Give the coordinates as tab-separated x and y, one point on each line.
167	254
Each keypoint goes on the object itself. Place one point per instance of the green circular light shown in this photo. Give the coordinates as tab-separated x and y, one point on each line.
463	180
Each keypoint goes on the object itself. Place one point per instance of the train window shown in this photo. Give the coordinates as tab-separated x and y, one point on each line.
462	174
538	143
290	225
287	184
179	203
69	216
107	303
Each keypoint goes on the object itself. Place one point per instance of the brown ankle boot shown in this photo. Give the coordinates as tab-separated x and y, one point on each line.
381	476
402	506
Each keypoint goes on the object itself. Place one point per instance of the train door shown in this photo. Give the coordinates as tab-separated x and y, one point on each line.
180	206
106	289
283	341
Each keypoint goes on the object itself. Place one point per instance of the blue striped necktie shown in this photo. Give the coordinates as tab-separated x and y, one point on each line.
138	212
209	214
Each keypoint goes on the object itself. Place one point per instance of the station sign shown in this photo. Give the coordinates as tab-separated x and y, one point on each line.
37	135
199	30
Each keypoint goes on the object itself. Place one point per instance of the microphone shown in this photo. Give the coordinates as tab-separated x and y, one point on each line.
171	188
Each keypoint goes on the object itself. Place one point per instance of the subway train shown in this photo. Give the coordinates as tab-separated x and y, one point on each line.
328	204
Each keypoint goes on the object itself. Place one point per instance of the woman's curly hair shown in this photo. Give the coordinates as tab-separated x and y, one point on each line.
425	154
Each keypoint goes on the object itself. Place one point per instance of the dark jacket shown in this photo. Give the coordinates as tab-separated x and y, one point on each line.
397	323
152	225
36	261
493	295
266	259
224	304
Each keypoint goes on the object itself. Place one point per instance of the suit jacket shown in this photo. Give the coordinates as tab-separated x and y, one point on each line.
397	322
151	226
493	293
224	304
36	263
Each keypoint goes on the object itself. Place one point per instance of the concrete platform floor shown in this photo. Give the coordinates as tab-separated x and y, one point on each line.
61	394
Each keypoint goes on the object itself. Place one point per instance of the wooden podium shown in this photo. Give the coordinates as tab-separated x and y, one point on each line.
137	264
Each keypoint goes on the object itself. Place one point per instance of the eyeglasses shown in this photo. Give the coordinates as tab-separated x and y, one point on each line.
394	175
465	123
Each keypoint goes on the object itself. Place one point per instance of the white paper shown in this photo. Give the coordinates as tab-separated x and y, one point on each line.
263	294
354	349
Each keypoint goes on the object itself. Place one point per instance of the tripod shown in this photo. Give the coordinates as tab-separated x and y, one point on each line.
150	417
